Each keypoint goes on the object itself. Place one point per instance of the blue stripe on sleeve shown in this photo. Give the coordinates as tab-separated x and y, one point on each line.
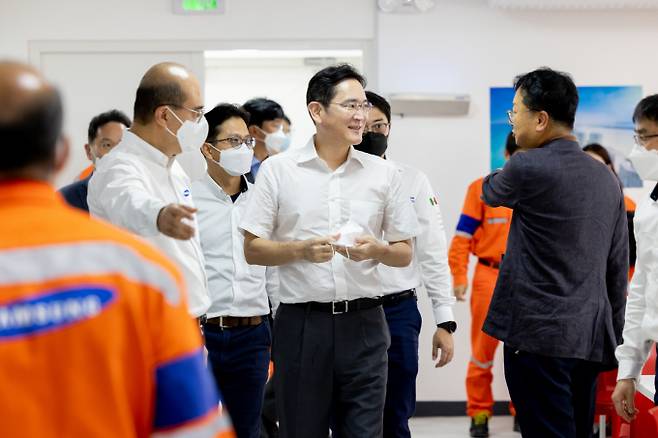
185	391
467	224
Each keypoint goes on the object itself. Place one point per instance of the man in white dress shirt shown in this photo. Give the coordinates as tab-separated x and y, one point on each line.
236	328
429	268
140	185
318	212
641	320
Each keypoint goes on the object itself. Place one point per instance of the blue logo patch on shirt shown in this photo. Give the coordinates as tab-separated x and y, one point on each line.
186	192
413	199
52	310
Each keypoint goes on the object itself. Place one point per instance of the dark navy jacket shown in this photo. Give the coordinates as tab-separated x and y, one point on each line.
76	193
561	290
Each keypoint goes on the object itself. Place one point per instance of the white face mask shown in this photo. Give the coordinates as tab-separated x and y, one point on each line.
276	142
645	162
190	135
235	162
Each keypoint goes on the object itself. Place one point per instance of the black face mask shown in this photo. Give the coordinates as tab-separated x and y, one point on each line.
373	143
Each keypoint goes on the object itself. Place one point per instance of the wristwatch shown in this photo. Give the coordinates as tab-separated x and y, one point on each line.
449	326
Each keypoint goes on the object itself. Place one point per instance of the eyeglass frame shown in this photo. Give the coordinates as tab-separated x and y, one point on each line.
642	139
242	141
200	112
353	107
387	126
510	113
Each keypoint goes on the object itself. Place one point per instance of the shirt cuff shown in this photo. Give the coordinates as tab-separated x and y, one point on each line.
629	369
443	314
255	230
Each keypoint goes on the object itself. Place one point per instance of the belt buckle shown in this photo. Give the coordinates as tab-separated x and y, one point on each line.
221	323
338	312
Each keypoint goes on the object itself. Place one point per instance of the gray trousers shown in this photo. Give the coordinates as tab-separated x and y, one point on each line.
330	365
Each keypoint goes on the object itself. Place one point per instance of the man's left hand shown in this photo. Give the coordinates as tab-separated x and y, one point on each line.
443	341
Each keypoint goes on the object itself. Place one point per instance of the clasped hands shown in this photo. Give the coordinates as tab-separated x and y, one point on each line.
322	249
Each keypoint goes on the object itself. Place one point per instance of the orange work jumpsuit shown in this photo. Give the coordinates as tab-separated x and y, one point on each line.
481	231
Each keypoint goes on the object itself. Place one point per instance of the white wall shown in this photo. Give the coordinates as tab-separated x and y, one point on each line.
463	46
22	21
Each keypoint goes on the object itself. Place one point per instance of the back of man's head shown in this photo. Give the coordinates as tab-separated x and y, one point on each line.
30	120
380	103
550	91
160	85
647	109
262	110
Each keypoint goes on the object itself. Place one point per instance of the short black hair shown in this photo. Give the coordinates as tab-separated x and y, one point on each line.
322	86
221	113
510	144
380	103
287	120
113	115
647	109
552	91
262	110
150	96
31	138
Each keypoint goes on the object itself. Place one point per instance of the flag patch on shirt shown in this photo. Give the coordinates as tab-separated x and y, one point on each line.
434	201
52	310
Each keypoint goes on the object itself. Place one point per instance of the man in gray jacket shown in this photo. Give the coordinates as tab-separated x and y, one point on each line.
559	301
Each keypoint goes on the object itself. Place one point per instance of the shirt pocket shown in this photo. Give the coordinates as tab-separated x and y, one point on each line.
368	214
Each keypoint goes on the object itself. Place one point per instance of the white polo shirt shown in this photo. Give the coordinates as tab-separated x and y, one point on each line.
298	197
129	187
429	266
236	288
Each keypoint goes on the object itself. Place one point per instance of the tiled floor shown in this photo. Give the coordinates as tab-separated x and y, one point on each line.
457	427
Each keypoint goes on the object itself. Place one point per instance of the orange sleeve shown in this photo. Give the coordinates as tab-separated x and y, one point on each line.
469	221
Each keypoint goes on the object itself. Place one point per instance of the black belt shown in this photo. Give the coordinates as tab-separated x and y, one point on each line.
389	300
489	263
338	307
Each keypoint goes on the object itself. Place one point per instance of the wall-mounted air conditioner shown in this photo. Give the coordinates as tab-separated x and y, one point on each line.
429	105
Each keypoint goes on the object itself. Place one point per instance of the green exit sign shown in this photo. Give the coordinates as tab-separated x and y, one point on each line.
199	6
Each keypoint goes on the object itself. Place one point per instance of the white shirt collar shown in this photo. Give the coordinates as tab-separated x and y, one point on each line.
309	153
146	150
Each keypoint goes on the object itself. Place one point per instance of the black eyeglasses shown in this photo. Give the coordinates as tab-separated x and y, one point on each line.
236	142
379	128
642	139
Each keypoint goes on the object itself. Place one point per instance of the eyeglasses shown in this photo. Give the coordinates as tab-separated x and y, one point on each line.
511	114
379	128
353	107
199	113
236	142
642	139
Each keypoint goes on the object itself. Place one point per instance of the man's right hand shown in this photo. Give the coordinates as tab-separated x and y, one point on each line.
318	250
623	398
460	292
170	221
